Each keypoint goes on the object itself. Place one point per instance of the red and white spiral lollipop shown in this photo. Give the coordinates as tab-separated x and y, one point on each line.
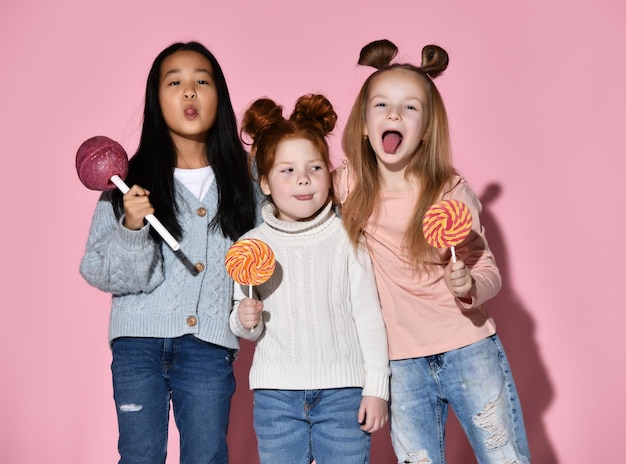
102	164
446	224
250	262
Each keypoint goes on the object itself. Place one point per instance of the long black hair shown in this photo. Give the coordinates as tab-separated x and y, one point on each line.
152	166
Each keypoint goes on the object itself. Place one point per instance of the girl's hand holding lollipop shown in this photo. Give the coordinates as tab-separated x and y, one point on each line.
250	262
102	164
446	224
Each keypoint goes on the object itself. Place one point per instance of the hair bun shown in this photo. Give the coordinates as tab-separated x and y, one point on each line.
378	54
261	115
315	112
434	60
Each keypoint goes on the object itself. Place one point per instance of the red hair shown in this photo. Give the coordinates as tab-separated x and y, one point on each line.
313	118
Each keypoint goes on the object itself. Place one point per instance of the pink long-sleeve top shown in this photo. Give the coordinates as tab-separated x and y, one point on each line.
422	317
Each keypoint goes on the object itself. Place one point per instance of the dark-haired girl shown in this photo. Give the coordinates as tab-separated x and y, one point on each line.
169	329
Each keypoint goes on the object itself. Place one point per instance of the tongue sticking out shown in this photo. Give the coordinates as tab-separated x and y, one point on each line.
391	142
191	112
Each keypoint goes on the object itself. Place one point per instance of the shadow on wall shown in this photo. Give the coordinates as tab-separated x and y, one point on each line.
516	329
242	446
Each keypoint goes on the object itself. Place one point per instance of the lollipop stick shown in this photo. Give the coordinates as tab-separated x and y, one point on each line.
453	254
250	296
151	218
120	184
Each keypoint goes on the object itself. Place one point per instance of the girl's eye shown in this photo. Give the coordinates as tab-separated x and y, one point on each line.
287	170
174	83
203	82
381	105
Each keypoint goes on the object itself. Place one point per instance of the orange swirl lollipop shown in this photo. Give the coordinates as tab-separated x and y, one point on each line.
446	224
250	262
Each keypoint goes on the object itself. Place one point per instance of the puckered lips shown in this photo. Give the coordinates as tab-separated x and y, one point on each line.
191	112
391	141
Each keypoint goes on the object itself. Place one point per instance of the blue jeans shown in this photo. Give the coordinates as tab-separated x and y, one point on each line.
297	426
476	382
196	376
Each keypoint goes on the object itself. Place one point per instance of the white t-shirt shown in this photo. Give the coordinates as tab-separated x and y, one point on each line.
197	181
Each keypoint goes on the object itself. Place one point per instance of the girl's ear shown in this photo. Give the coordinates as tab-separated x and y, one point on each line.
265	186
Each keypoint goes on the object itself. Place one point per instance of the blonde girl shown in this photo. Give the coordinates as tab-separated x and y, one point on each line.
443	345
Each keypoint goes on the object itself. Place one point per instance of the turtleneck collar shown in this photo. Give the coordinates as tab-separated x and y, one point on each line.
319	222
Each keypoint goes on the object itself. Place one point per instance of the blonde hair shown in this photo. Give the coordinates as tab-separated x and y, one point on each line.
431	164
313	118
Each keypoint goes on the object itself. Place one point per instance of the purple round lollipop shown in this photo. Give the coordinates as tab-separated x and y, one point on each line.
98	159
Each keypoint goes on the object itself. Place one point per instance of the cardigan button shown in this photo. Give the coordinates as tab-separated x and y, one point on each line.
192	321
201	212
199	267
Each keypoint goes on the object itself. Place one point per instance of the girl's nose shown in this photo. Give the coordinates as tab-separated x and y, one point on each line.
190	94
393	115
304	180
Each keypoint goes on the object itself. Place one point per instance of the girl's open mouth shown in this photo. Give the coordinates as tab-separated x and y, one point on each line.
391	141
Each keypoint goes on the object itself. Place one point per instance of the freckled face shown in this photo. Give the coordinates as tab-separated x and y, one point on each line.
299	181
395	117
187	95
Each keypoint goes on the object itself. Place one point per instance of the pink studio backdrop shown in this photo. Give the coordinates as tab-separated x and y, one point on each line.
535	97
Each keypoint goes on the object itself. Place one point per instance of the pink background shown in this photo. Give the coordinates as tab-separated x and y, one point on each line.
536	99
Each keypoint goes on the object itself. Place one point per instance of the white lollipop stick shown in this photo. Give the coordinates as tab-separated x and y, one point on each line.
250	296
453	254
151	218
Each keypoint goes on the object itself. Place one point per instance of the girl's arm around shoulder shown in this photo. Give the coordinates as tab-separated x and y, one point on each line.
475	252
118	260
342	182
369	321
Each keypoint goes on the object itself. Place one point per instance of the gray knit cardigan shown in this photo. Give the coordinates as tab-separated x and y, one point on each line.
157	292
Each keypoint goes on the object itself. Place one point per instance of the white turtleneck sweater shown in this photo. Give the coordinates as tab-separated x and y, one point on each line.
321	325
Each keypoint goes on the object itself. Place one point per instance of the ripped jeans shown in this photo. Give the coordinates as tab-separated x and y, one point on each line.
476	382
198	378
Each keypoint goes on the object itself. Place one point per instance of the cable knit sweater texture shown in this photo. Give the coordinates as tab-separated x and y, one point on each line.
157	292
321	324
